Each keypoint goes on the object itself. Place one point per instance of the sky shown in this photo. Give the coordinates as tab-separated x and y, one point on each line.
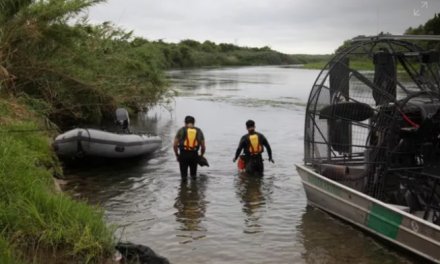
289	26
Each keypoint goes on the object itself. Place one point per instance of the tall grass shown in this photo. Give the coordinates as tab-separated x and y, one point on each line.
35	221
7	254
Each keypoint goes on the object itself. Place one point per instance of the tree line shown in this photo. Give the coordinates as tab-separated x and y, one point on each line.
363	61
71	71
431	27
191	53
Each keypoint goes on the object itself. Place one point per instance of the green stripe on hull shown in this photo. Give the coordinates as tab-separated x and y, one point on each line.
323	184
384	221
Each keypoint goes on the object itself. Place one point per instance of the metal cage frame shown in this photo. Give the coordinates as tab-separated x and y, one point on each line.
357	43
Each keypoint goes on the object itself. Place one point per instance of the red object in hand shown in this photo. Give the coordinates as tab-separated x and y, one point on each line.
240	164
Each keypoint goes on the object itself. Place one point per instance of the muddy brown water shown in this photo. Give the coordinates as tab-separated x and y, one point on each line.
224	216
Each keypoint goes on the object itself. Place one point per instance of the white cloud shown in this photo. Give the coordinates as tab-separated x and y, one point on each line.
291	26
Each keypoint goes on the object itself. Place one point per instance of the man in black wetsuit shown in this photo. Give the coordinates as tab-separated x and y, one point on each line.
252	144
189	139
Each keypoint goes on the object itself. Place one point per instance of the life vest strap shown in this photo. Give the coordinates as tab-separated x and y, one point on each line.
190	142
254	139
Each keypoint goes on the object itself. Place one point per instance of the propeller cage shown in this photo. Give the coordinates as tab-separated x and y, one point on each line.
378	131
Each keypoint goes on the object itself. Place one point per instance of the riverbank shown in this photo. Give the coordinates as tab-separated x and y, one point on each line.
355	64
358	65
37	223
55	74
193	54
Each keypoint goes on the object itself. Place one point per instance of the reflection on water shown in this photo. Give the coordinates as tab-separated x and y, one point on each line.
191	207
254	194
327	240
223	216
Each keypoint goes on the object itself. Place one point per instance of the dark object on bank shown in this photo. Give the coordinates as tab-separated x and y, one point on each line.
139	254
203	162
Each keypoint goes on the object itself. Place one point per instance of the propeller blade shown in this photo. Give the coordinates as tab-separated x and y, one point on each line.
353	111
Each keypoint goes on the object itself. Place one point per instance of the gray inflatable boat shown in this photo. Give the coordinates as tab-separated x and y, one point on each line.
92	142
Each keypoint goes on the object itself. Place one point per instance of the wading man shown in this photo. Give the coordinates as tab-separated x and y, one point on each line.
189	139
253	144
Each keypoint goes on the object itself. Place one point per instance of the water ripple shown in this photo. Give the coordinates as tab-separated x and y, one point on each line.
224	216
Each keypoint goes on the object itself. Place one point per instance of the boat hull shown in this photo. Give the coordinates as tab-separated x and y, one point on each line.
97	143
383	220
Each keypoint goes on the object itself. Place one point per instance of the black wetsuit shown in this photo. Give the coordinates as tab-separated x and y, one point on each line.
254	163
188	158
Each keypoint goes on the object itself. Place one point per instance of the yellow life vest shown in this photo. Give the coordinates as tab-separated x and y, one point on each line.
190	142
255	146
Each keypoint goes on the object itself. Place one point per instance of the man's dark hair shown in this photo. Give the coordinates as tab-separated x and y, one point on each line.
250	123
189	120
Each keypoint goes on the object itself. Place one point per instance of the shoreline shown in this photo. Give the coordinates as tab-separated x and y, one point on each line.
355	64
36	211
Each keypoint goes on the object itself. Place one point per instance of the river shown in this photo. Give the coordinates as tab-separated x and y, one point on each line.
225	217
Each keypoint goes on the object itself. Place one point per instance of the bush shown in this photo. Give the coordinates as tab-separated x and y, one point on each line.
81	72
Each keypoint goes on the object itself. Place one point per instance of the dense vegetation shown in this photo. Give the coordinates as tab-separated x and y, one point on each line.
362	62
191	53
57	70
36	222
72	73
77	72
431	27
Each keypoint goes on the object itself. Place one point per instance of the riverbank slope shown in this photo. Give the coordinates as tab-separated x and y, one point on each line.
37	222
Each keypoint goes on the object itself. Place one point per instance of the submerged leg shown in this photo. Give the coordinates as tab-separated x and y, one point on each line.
193	165
183	164
260	163
255	165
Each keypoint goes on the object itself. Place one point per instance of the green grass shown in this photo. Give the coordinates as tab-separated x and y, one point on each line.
36	223
314	65
6	253
359	65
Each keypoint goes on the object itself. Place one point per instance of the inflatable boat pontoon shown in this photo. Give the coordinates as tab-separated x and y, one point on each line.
92	142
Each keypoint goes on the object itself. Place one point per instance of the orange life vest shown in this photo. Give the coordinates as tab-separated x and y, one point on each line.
255	146
189	141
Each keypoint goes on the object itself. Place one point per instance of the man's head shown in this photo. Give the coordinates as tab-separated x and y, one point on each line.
250	125
189	120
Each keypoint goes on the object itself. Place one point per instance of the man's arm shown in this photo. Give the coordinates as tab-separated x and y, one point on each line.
176	142
239	149
202	144
203	148
265	143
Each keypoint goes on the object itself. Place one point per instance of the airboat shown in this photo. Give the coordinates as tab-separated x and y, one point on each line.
372	141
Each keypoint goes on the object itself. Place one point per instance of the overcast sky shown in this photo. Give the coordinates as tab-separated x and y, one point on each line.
290	26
